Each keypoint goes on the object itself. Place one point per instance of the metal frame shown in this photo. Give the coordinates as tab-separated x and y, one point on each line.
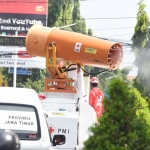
59	81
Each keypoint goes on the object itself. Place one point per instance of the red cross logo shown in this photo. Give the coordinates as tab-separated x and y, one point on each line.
52	129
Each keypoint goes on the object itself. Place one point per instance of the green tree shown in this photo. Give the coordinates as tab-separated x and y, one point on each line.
125	124
105	75
96	72
126	70
141	49
36	85
90	32
9	77
59	13
65	12
35	81
76	17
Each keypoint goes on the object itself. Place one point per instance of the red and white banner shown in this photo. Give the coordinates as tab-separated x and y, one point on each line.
20	15
24	6
7	58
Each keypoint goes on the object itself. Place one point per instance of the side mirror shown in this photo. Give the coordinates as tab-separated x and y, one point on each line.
59	140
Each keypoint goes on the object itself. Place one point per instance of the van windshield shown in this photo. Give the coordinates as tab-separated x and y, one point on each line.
20	119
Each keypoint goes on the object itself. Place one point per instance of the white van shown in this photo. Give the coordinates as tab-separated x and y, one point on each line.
21	112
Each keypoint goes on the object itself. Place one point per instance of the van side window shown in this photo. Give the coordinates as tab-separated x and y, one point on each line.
22	119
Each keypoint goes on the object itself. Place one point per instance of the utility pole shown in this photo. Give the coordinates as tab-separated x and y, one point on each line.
15	65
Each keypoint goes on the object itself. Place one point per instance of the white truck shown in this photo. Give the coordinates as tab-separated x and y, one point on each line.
65	99
69	114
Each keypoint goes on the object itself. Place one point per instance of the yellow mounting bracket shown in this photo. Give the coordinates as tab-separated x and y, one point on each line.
58	81
52	64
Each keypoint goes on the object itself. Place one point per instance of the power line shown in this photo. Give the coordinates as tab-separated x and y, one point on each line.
113	28
127	44
102	18
121	34
110	18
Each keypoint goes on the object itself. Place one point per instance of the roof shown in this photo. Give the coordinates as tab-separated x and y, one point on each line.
19	96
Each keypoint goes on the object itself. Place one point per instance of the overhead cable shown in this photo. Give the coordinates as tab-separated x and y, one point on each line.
120	34
113	28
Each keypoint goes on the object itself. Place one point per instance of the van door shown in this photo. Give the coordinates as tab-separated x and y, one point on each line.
63	125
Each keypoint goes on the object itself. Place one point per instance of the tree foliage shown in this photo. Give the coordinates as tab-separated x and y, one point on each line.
105	75
141	49
59	13
34	81
9	77
125	124
66	12
90	32
81	26
37	85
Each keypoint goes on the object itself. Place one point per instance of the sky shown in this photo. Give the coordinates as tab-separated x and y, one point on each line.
113	19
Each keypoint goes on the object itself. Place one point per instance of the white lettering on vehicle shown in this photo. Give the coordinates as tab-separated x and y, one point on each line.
23	121
63	131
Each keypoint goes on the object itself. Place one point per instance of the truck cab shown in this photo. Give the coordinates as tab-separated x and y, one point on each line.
22	113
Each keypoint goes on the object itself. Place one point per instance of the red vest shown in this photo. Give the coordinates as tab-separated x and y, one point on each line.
96	101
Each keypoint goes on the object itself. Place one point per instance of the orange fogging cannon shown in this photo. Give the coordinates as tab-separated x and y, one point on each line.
73	48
